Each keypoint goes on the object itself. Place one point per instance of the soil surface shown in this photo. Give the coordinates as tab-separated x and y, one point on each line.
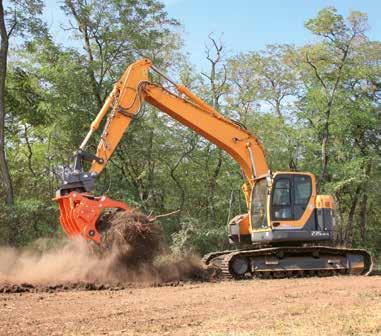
310	306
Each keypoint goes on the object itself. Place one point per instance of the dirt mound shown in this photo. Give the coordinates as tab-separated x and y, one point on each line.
133	239
136	246
133	252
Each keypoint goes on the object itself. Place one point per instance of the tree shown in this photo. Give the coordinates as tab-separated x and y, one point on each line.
269	75
328	62
261	88
115	34
214	90
52	82
338	105
112	31
20	18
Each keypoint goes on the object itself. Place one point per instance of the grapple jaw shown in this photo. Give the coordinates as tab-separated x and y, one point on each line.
79	213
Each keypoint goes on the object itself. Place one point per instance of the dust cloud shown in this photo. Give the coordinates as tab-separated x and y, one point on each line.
72	261
133	249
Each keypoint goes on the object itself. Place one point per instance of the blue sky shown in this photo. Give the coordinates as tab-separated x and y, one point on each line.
244	24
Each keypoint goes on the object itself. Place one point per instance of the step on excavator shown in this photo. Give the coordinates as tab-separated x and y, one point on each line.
288	230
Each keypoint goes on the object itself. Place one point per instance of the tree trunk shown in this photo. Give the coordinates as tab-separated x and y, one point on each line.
6	179
84	30
364	203
363	216
324	151
278	109
349	230
340	238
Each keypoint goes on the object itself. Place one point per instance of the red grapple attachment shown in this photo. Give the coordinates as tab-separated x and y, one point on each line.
80	212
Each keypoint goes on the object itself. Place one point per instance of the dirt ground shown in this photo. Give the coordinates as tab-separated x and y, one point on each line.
311	306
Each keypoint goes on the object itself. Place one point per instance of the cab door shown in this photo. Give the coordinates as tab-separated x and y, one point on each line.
292	200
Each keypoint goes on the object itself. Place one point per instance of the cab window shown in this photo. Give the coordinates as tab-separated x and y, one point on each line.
302	194
282	199
290	196
303	189
259	205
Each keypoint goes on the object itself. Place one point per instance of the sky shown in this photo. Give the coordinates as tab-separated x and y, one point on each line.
243	25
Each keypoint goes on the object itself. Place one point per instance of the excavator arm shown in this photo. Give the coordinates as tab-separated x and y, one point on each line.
134	89
122	105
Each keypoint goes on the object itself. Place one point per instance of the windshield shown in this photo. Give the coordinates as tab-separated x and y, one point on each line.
259	205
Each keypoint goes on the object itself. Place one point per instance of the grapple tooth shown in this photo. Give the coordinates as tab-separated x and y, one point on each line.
79	213
69	228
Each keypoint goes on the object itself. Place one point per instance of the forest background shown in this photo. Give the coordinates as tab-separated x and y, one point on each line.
316	107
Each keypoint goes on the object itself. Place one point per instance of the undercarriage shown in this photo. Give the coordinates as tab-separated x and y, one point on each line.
290	261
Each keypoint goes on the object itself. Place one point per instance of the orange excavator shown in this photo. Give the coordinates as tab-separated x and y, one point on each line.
288	229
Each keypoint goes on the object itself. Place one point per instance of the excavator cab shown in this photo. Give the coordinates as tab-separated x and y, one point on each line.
284	207
289	226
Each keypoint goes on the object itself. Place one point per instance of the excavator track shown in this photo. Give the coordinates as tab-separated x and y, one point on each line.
290	262
208	257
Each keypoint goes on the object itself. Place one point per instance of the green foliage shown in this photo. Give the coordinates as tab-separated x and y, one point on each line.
282	94
23	19
327	22
194	237
26	221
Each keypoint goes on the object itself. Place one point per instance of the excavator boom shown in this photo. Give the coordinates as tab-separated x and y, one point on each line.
134	89
121	107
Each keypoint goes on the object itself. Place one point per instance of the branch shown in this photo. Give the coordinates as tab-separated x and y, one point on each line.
343	59
223	82
152	219
12	28
30	152
317	74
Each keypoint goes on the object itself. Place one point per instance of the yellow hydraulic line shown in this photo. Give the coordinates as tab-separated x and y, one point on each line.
184	90
248	145
95	124
98	119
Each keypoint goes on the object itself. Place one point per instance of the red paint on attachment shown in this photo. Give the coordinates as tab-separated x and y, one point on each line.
80	212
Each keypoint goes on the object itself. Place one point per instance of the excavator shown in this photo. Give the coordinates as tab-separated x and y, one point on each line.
288	229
